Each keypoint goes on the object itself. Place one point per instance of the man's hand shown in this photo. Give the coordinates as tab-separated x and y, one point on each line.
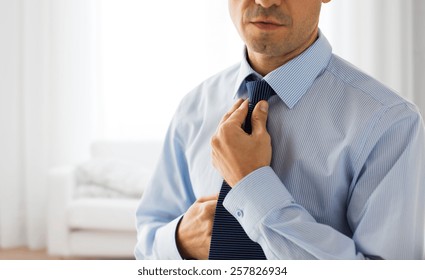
194	230
234	152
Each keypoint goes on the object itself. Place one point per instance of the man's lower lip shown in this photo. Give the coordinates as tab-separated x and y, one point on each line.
267	26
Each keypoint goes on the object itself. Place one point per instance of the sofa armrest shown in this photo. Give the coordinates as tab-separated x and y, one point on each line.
61	184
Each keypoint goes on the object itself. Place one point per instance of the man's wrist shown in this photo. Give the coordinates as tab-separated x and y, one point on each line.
181	249
255	195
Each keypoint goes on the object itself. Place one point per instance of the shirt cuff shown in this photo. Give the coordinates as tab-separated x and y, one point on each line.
254	196
166	247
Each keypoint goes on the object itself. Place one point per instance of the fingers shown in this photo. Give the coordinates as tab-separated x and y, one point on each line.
233	109
208	205
193	233
207	198
259	117
209	210
237	113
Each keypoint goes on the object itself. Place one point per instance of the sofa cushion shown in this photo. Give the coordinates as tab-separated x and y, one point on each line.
96	191
102	243
103	214
112	176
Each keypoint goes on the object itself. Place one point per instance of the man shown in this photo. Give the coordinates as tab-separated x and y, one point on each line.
333	168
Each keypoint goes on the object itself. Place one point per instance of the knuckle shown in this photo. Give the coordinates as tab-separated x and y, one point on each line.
256	117
204	210
215	143
221	131
214	140
240	110
227	115
225	127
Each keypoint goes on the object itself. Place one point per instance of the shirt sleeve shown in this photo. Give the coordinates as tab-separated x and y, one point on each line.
168	195
385	208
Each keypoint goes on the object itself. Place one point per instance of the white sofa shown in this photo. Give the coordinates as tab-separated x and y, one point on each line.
91	226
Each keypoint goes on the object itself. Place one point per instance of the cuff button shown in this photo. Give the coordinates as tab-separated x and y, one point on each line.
239	213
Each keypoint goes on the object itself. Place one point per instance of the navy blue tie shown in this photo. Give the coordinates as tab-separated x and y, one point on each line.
229	240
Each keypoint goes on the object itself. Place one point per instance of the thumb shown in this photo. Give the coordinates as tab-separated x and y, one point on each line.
259	117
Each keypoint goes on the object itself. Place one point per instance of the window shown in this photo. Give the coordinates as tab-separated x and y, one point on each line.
151	53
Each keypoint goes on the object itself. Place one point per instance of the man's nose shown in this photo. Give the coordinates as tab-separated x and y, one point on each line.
268	3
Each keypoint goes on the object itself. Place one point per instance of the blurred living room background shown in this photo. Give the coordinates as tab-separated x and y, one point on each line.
88	87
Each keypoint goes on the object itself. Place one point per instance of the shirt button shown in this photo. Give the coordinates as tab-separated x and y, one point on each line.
239	213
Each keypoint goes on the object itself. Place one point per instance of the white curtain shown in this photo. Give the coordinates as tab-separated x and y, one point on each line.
47	115
58	90
383	37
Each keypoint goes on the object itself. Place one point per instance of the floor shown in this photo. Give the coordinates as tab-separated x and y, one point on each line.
25	254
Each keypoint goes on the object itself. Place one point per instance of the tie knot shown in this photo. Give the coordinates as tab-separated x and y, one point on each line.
258	90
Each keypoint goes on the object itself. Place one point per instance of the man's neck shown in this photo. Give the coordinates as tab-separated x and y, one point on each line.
264	63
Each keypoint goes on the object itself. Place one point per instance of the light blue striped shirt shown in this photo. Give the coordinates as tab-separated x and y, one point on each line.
347	178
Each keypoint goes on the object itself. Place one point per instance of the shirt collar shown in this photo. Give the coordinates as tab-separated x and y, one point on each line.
291	80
